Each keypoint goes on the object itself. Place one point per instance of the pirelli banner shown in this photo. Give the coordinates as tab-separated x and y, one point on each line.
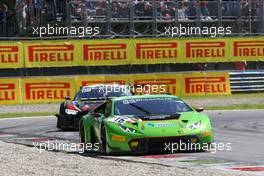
55	89
68	53
181	84
198	50
47	90
52	53
10	91
197	84
11	55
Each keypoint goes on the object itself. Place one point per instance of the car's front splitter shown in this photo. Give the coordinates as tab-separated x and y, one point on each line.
117	143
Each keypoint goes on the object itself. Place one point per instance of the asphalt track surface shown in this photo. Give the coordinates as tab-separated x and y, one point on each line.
244	129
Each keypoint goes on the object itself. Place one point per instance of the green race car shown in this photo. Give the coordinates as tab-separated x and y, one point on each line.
145	123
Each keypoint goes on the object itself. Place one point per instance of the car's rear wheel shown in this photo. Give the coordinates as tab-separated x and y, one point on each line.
103	140
81	135
83	138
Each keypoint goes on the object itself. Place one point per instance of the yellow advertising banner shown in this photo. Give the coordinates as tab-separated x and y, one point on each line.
247	49
10	91
55	89
205	50
47	89
11	55
156	51
156	83
106	52
69	53
211	83
52	53
101	79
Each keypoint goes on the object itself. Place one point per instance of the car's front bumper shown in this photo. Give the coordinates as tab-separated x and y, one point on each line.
168	144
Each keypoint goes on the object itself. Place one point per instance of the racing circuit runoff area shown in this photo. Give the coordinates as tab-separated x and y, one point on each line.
240	130
132	43
238	146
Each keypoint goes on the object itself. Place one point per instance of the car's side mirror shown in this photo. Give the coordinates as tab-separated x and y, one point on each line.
199	109
97	115
75	103
67	98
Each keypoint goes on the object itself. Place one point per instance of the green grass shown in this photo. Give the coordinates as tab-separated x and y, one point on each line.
230	107
26	114
235	107
226	97
233	96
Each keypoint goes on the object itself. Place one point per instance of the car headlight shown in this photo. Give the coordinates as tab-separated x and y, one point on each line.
195	125
127	129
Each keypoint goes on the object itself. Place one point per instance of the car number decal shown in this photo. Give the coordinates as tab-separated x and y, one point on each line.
119	119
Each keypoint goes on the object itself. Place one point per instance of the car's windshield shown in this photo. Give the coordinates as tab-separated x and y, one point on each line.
150	106
100	92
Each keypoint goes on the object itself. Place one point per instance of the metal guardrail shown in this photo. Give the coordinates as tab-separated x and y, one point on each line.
247	81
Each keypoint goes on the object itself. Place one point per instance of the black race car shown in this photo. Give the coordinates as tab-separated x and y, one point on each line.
86	99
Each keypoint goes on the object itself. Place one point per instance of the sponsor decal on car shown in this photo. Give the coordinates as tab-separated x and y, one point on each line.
71	112
161	124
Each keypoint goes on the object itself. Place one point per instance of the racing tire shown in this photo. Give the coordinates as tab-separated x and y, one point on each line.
81	134
58	122
103	140
83	139
62	109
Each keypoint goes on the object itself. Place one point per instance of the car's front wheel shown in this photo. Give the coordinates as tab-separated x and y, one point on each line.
59	119
62	109
58	122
